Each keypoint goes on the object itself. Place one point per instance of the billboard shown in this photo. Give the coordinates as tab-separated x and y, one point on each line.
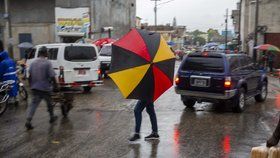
72	21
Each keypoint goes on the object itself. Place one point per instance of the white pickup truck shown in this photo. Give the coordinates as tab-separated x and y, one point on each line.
105	59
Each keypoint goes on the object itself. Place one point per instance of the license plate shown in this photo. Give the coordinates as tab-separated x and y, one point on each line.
82	72
200	83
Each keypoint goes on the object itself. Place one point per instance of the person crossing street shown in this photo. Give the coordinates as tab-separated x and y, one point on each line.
140	106
41	80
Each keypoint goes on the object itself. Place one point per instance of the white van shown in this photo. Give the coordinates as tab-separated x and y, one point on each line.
76	65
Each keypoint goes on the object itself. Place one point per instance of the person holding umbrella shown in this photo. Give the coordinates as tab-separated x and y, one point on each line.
140	106
269	50
270	60
142	67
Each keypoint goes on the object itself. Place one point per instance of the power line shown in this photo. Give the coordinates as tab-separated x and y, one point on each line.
156	8
165	2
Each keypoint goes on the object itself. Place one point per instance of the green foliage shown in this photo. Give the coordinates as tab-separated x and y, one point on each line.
199	40
212	33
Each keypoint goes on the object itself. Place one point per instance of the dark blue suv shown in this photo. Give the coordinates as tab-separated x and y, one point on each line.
220	78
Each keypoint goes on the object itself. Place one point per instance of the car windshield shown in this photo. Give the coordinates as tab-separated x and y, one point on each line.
204	64
79	53
106	51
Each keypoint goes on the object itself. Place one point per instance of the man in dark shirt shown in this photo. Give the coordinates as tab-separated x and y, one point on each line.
41	80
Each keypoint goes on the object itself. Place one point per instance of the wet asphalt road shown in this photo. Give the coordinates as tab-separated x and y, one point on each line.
101	122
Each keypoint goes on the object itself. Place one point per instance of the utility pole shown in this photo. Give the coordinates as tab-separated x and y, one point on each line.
239	25
226	33
256	30
8	17
155	10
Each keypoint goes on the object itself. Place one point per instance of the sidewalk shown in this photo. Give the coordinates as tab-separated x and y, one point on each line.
274	81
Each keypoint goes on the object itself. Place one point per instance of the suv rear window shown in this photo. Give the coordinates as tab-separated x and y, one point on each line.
79	53
106	51
204	64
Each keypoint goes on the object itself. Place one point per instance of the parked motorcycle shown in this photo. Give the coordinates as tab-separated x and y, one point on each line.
4	95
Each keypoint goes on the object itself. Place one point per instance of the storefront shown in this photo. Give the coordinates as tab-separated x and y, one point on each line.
72	24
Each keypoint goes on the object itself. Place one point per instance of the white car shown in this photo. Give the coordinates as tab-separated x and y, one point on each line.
76	65
105	58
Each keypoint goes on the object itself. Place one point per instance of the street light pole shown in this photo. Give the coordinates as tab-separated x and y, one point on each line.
226	33
239	24
8	16
256	30
155	10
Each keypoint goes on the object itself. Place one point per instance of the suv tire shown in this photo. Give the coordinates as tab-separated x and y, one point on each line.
189	103
262	96
239	101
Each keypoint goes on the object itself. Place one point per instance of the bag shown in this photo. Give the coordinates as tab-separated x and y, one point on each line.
259	152
274	152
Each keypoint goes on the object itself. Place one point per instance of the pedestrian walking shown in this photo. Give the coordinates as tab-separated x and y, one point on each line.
140	106
270	59
8	72
274	140
143	68
41	80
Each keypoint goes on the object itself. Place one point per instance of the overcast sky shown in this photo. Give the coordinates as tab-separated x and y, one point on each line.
195	14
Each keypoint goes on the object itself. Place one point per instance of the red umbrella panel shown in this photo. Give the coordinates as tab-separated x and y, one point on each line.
100	42
142	65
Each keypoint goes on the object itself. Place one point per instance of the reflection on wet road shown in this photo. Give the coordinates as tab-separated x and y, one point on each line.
101	122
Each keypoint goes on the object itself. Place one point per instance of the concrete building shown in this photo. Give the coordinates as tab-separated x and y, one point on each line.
235	15
2	20
52	21
138	22
268	23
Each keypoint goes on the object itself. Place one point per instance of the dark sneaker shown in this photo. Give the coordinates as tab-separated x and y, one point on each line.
134	137
28	126
53	119
152	136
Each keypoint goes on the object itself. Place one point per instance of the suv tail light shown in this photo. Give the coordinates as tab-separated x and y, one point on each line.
227	83
177	80
205	54
61	74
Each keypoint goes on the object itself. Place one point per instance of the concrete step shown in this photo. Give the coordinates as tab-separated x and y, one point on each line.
264	152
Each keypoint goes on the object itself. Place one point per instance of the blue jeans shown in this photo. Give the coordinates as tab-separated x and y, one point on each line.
140	106
38	96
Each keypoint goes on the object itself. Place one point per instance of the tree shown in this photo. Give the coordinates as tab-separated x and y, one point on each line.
212	33
196	37
197	33
199	40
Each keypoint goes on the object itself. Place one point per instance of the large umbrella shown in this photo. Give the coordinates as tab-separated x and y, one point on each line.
171	43
268	47
142	65
100	42
210	44
25	45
